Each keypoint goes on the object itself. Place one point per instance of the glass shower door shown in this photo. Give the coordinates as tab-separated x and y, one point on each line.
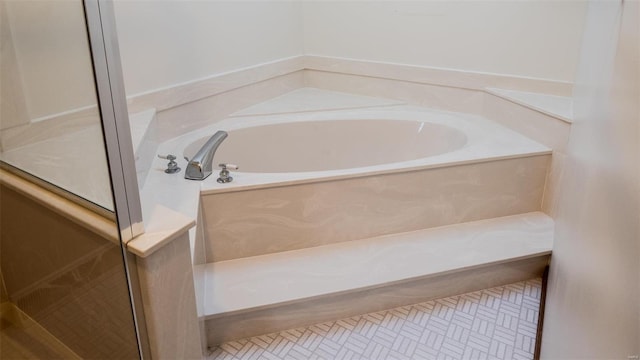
63	285
49	119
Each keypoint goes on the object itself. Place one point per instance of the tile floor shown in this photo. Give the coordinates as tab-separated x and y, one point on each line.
496	323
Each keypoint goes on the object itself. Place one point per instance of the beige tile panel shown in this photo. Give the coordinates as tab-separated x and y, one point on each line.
551	198
182	119
540	127
428	95
287	316
262	221
180	94
168	295
59	124
435	76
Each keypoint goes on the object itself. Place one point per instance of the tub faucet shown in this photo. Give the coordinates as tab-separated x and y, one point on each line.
201	165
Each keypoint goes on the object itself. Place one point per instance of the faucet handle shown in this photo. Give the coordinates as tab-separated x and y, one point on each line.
172	166
229	166
224	173
167	157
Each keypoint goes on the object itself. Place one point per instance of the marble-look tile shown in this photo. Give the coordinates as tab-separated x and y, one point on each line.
253	222
551	198
143	134
310	311
158	234
198	239
560	107
435	76
542	128
262	281
75	161
168	295
313	99
182	119
58	125
421	94
139	124
180	94
199	278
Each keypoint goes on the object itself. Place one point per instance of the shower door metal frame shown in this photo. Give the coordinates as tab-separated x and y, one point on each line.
109	82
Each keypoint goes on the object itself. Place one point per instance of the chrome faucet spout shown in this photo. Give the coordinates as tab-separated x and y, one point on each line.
201	165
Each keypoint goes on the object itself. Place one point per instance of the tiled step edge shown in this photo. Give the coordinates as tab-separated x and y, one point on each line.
260	282
559	107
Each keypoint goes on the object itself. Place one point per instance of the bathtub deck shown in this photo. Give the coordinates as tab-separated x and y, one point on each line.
260	294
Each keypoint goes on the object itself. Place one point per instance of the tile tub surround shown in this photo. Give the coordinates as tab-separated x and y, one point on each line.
185	93
543	128
488	143
191	105
488	159
268	220
60	164
559	107
168	295
51	153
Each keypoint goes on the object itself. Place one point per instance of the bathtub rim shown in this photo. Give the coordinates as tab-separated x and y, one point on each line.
486	141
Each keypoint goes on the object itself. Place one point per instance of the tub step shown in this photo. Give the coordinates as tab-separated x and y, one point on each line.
267	293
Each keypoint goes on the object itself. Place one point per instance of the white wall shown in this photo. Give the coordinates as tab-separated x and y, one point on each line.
526	38
164	43
53	61
592	308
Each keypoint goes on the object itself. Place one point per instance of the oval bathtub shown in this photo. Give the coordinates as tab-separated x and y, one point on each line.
311	179
332	145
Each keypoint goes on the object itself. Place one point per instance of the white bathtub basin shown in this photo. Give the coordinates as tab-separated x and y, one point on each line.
332	145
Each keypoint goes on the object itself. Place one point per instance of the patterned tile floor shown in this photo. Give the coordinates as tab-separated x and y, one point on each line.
496	323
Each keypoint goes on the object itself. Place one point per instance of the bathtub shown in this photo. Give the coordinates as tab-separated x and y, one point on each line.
310	179
325	145
288	149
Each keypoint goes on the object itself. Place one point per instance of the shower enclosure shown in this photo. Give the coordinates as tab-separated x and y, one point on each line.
68	288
